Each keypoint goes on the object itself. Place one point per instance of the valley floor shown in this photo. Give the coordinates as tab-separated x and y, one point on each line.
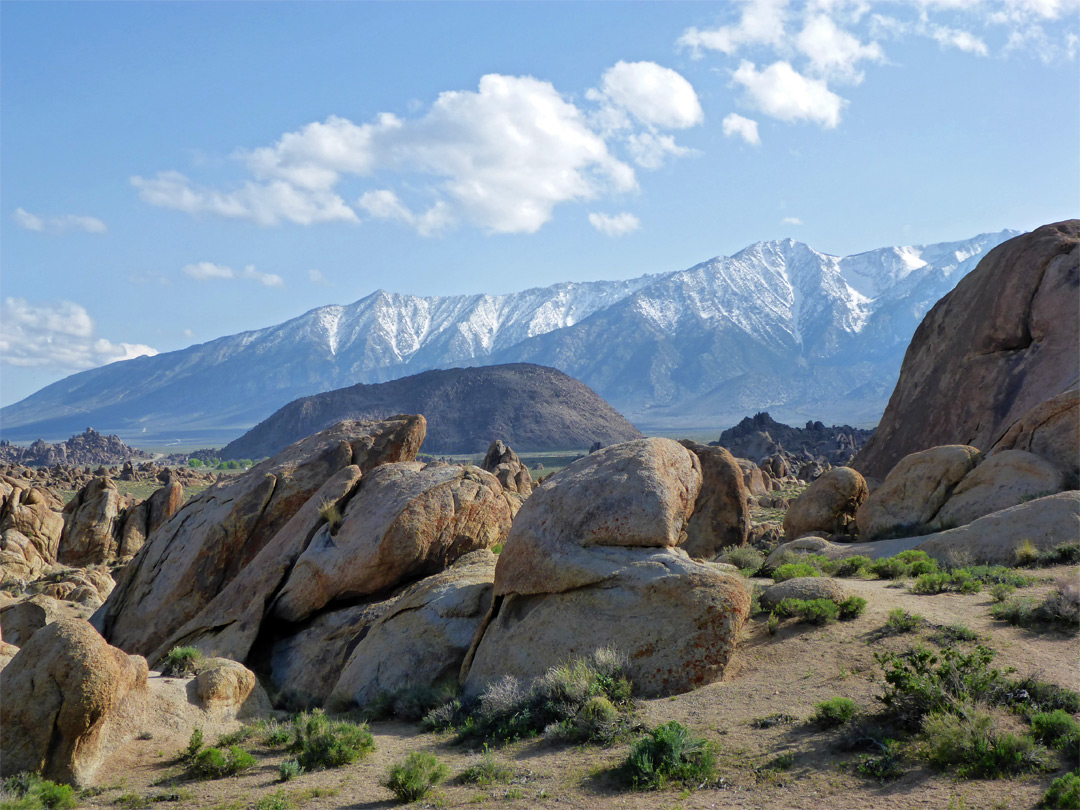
786	673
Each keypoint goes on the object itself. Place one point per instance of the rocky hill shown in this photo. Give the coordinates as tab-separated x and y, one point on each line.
528	407
760	436
995	362
778	325
88	448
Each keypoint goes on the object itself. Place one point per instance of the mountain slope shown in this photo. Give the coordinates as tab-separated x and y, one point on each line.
529	407
778	326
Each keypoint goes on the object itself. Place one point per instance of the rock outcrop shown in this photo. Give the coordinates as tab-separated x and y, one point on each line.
502	462
988	356
90	447
31	523
721	516
88	537
195	554
587	552
141	520
828	505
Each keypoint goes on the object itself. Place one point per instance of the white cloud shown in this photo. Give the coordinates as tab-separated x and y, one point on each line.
956	38
791	221
736	125
59	334
782	92
206	271
501	157
316	277
655	95
833	52
761	23
56	225
617	225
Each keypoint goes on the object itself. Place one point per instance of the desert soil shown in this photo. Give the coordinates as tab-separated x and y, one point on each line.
785	673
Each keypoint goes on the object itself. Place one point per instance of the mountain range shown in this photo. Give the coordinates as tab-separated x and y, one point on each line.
777	326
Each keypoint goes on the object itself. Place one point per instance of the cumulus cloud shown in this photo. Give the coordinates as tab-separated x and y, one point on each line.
57	225
501	157
617	225
735	125
59	334
782	92
833	52
956	38
761	23
207	271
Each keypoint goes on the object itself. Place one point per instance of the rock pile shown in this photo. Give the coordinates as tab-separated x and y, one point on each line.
88	448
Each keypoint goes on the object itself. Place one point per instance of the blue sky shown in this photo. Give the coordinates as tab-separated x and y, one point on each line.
175	172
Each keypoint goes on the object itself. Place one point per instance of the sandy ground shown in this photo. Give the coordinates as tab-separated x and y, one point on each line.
786	673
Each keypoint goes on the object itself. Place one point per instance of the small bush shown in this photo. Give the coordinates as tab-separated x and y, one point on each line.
819	611
1063	793
746	558
669	753
320	743
772	720
1059	611
275	801
329	512
884	766
1026	553
1038	696
195	744
32	792
288	770
486	771
834	712
969	743
852	608
1056	729
415	776
848	567
275	734
890	568
954	633
937	582
1000	591
181	661
794	570
1064	554
900	621
213	763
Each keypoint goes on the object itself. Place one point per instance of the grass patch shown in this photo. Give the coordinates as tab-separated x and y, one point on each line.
834	712
321	743
794	570
883	766
848	567
900	621
953	633
670	754
1059	611
969	744
587	700
412	778
181	662
486	771
746	558
213	763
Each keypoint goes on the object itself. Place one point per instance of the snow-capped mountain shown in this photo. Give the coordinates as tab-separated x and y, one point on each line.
777	326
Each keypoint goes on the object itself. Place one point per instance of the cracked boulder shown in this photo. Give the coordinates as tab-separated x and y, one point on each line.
88	537
592	561
828	505
721	515
31	523
195	554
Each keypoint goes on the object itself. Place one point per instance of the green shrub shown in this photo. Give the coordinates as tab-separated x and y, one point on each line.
213	763
1000	591
954	633
884	766
669	753
275	734
242	734
936	582
998	575
329	512
890	568
900	621
275	801
848	567
852	608
31	792
288	770
795	570
1056	729
746	558
321	743
1064	554
195	744
834	712
181	661
1063	793
963	581
415	776
819	611
486	771
969	743
1060	610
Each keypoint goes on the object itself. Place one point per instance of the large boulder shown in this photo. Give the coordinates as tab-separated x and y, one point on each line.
502	462
31	522
1001	343
637	494
195	554
915	490
407	521
423	638
677	620
141	520
721	515
61	690
1004	479
828	505
592	561
753	478
20	620
991	540
88	537
1052	430
801	588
